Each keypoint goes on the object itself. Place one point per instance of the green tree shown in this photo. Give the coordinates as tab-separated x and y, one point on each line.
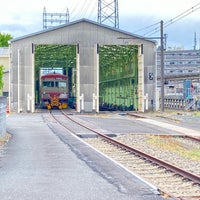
4	38
1	79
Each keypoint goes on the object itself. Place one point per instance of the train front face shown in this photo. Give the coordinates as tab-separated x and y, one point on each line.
54	91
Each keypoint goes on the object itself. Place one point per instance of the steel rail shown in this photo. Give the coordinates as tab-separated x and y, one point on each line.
157	161
197	139
167	165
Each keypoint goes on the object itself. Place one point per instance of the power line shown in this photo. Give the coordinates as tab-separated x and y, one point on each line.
182	15
83	9
154	30
146	27
173	20
94	7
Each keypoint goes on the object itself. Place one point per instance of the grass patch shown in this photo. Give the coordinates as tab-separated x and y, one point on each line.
4	139
196	114
171	144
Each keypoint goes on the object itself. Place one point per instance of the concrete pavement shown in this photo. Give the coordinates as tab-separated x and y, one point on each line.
41	162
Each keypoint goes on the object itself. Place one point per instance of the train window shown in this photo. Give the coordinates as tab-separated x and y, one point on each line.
61	84
48	84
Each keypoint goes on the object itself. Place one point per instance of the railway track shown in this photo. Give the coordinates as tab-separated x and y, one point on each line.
172	180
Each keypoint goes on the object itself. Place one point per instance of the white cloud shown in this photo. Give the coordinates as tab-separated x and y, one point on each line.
25	16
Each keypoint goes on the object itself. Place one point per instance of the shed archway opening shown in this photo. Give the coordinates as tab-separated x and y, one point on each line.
118	77
55	59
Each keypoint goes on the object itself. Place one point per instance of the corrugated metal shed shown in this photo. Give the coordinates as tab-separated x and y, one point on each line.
81	21
87	36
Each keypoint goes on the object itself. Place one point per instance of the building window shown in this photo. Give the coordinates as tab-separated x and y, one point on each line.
5	94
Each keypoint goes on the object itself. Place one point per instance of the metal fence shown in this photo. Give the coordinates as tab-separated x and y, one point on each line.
182	104
2	116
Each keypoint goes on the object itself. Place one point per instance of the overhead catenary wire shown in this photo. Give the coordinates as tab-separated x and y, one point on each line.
173	20
73	7
147	27
183	14
91	15
87	9
154	30
84	9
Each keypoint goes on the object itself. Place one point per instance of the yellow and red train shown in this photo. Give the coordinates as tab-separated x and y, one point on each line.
54	91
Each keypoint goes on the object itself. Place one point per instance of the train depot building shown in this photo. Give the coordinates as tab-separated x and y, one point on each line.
107	68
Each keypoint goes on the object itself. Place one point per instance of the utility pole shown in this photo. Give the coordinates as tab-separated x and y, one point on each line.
162	65
195	40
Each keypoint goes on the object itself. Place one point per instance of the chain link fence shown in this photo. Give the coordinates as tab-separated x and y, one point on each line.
2	116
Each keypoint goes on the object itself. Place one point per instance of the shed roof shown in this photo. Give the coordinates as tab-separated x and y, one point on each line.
81	21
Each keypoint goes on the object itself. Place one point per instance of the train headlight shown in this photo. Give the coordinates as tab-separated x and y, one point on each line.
45	95
63	95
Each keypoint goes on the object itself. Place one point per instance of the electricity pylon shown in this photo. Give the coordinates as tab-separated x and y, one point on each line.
108	12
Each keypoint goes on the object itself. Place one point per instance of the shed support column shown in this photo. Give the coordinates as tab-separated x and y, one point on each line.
32	97
140	79
18	81
78	79
96	75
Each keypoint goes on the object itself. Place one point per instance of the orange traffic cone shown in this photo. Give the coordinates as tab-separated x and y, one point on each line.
7	109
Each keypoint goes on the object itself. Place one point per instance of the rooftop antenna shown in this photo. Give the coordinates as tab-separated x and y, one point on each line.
108	12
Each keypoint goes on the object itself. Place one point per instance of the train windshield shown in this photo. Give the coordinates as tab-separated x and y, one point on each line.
60	84
48	84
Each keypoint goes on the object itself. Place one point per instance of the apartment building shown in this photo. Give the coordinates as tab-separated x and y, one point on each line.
179	62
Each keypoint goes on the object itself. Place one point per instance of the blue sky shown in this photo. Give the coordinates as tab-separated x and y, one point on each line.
25	16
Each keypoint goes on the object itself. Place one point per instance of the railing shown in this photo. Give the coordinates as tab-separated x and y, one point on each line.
2	116
190	105
182	104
